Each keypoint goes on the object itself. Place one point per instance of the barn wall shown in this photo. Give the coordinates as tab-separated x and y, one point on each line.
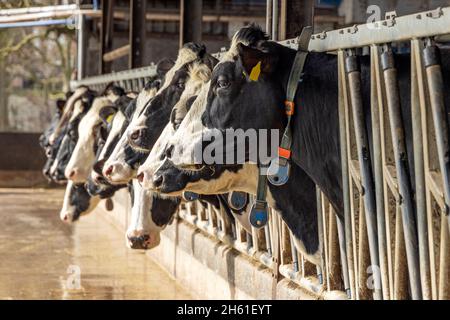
21	160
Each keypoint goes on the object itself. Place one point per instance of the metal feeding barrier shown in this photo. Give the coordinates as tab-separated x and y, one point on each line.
394	240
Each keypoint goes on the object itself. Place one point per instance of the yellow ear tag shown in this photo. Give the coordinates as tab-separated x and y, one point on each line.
110	118
256	72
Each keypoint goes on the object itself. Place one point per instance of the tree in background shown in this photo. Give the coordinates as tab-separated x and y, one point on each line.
41	57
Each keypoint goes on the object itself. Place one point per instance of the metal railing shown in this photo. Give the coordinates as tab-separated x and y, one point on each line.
394	240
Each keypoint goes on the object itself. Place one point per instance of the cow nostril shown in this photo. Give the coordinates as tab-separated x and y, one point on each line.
169	151
109	171
72	174
158	181
140	177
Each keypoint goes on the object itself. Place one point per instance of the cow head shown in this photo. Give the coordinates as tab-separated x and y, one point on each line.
68	110
77	202
97	184
150	214
117	151
91	131
66	141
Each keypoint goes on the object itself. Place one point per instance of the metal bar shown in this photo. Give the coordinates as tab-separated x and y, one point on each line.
275	20
444	263
269	17
15	11
81	46
137	33
400	273
322	240
403	175
423	103
405	28
421	213
377	107
48	15
354	76
435	82
68	22
116	53
347	238
191	21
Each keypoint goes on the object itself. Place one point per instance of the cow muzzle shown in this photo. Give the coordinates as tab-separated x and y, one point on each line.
139	240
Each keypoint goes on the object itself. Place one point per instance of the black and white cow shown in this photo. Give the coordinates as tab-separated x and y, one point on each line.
50	151
89	134
295	201
66	141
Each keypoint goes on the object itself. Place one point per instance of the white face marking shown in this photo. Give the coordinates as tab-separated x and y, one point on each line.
83	156
142	223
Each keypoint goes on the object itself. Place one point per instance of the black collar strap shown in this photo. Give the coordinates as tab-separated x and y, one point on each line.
278	172
280	168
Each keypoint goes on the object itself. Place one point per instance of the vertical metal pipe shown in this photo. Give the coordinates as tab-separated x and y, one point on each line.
423	105
431	57
419	174
403	176
321	234
269	17
354	76
275	20
294	253
345	229
81	47
376	106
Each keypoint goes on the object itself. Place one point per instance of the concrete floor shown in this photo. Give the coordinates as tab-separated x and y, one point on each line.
40	256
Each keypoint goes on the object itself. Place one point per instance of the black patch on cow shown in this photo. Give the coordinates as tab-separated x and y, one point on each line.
163	209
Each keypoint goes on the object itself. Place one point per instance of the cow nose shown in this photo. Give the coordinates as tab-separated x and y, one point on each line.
71	174
136	241
169	151
158	181
140	177
99	180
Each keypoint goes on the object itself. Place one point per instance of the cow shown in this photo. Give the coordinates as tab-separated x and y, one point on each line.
315	148
77	202
295	201
50	151
89	131
68	137
67	113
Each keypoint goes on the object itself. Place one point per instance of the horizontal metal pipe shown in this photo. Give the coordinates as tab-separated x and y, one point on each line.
43	23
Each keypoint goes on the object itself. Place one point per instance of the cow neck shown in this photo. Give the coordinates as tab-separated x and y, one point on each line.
315	127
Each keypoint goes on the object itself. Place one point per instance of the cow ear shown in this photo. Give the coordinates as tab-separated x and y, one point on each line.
107	113
255	62
164	66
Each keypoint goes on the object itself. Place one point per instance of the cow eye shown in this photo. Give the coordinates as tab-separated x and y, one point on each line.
180	85
223	83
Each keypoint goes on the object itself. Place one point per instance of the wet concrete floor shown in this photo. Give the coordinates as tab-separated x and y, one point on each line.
42	258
